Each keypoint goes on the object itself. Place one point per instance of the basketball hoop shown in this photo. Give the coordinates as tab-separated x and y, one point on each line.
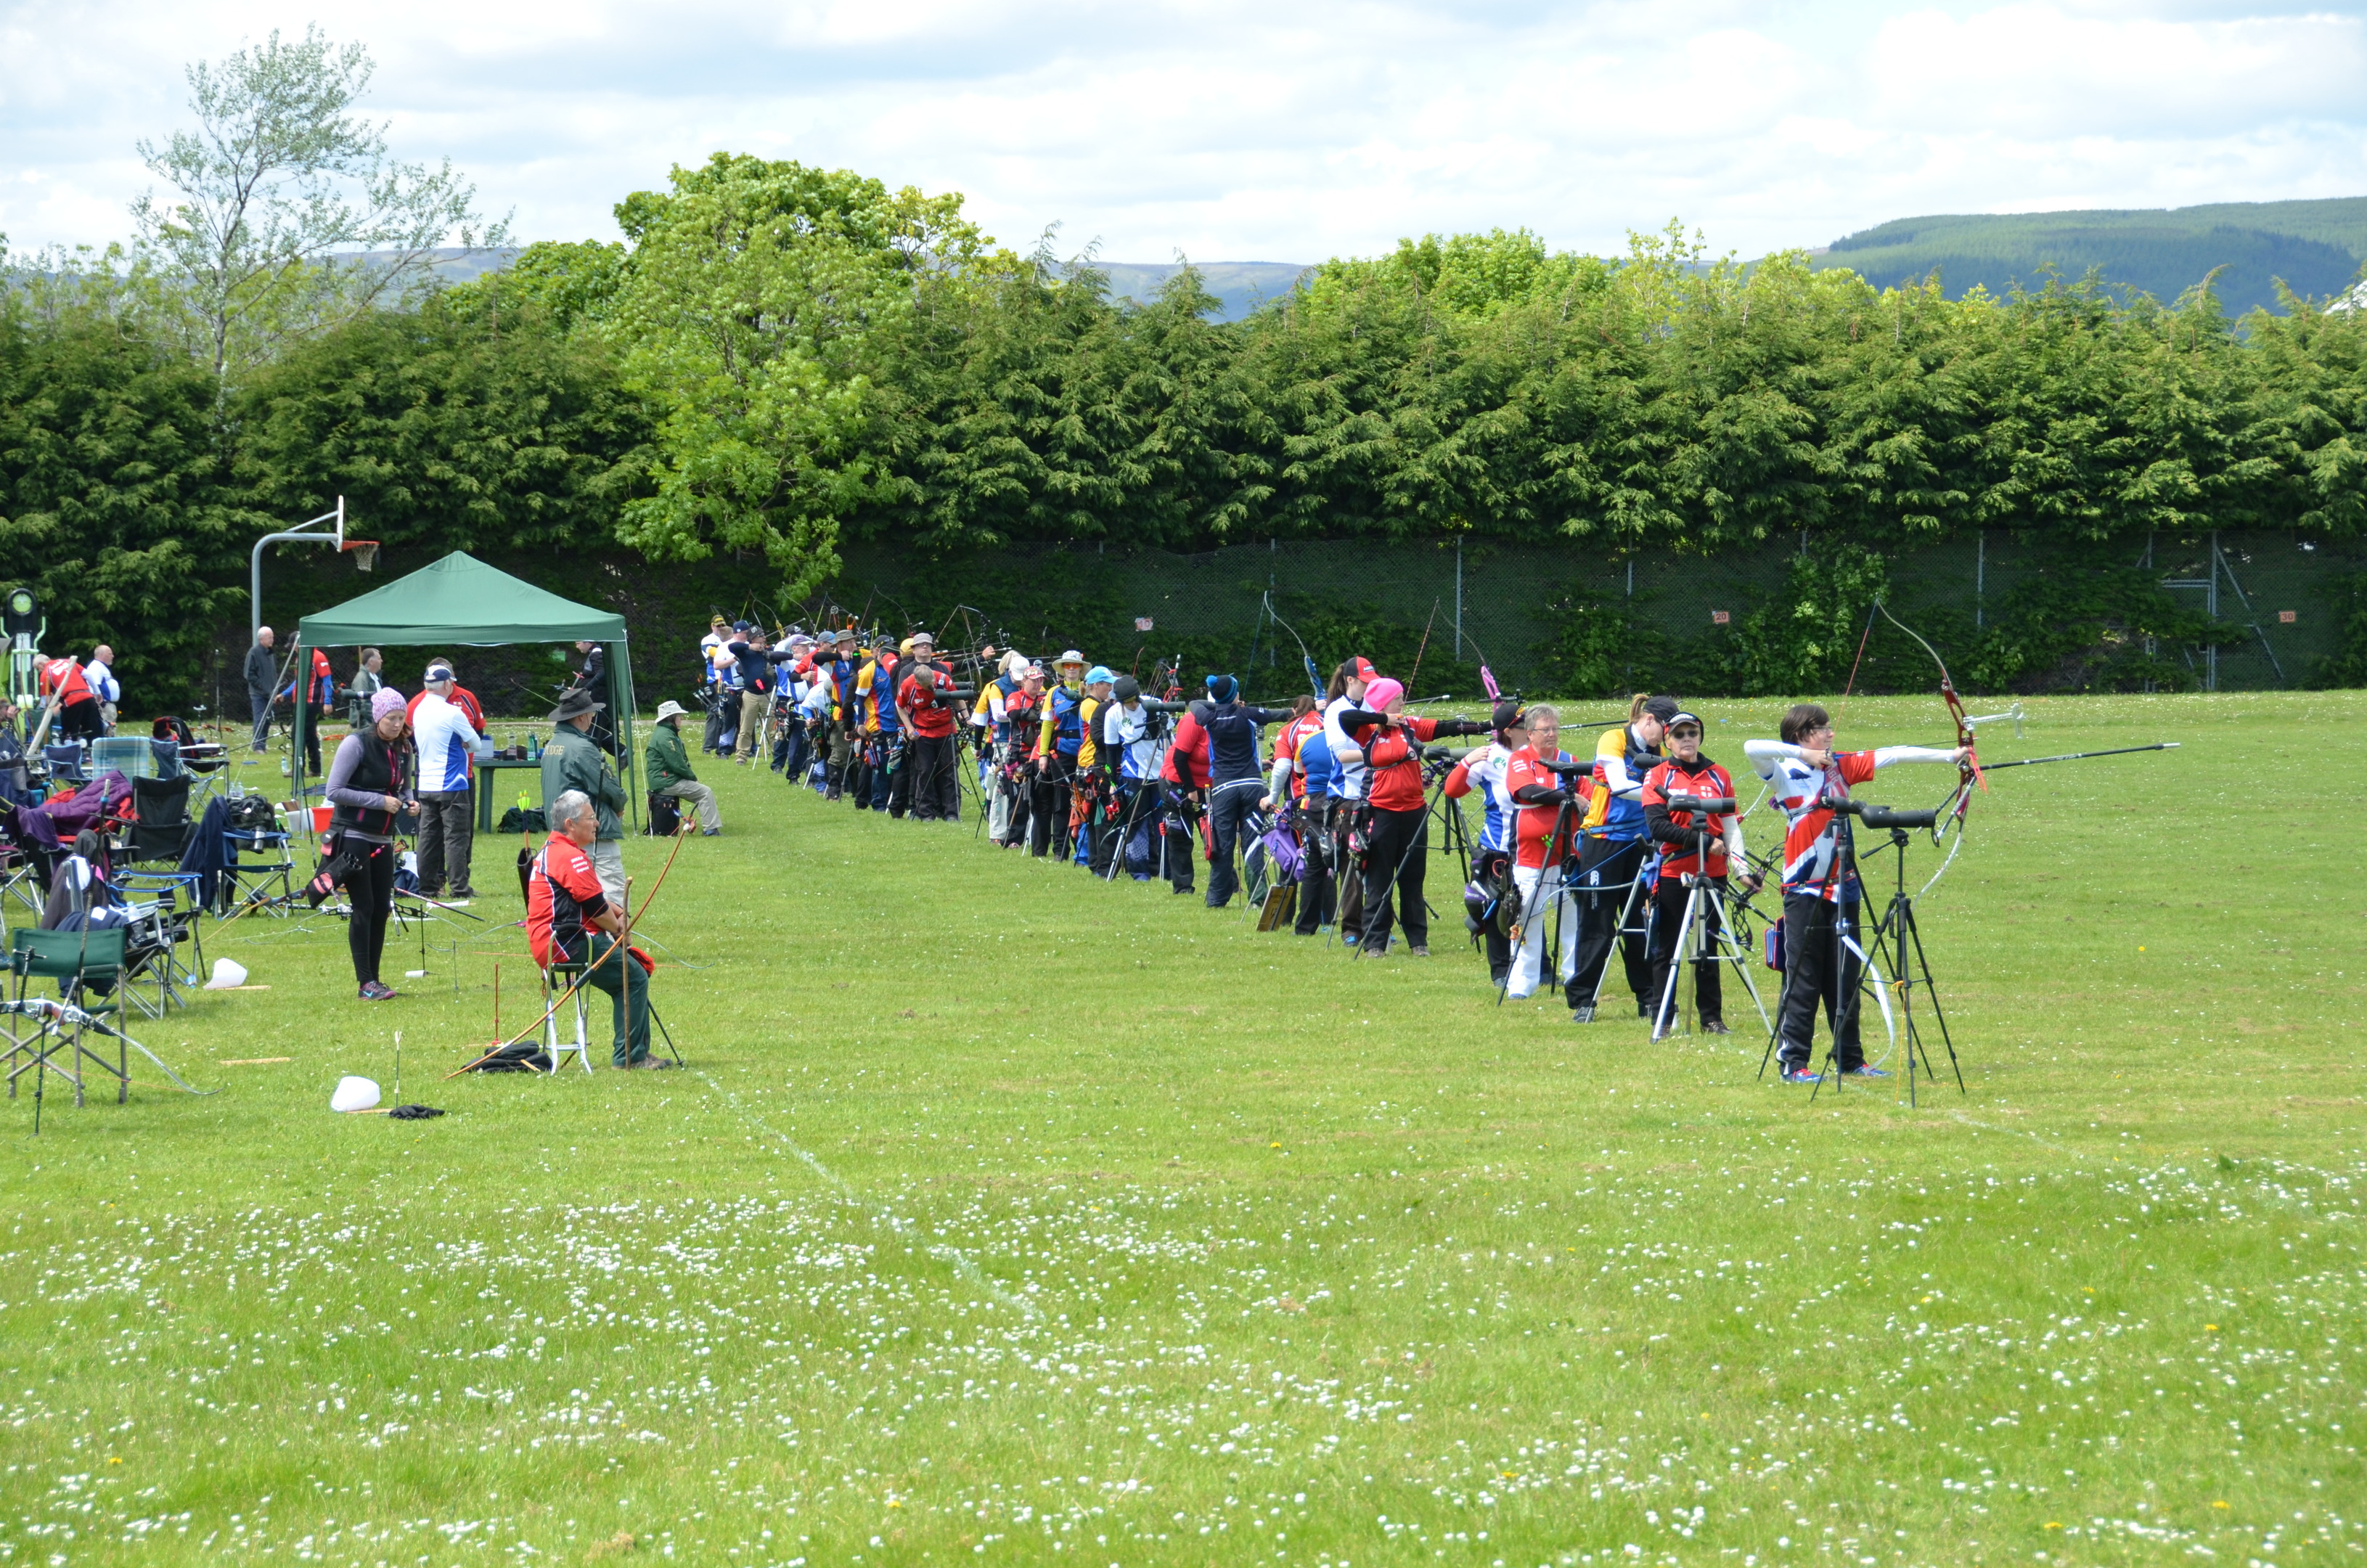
363	551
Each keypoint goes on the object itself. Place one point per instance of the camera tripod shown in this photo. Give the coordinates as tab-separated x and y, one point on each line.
1898	934
1713	930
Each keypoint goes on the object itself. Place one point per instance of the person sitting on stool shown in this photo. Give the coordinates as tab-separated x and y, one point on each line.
569	920
668	766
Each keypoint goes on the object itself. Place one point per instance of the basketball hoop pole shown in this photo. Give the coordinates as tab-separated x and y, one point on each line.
302	533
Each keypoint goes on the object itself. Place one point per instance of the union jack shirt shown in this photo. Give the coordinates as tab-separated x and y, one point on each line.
1812	842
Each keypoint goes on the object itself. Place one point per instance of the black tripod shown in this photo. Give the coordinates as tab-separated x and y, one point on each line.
1898	936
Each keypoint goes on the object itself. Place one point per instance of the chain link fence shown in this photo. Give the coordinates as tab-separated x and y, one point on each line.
2217	612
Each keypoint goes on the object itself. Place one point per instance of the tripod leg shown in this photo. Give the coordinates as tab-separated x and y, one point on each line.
1915	934
1663	1005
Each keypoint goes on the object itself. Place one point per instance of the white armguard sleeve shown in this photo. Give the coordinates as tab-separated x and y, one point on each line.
1886	755
1767	755
1737	851
1277	784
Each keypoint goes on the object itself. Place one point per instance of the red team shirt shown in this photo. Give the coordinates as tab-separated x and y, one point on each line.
562	861
922	696
1668	785
1536	823
1393	776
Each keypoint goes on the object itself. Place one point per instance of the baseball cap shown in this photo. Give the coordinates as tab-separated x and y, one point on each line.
1507	714
1365	671
439	670
1098	674
1663	709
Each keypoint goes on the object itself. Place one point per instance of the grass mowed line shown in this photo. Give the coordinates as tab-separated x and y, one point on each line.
1008	1216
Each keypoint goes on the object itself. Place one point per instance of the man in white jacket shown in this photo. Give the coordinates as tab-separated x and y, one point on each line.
447	742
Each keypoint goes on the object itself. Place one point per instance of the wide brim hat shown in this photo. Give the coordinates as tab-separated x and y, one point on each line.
670	708
575	704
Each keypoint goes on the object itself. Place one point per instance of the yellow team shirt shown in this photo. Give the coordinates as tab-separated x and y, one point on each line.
1611	747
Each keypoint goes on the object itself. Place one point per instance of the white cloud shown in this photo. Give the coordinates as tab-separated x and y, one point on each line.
1235	131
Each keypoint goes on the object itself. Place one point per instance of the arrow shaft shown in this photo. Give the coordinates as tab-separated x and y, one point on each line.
2080	755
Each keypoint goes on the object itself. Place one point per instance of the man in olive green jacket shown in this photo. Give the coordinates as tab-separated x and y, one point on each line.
669	768
572	760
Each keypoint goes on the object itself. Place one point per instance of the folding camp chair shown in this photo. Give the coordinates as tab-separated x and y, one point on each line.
261	875
77	960
159	820
556	981
63	764
170	900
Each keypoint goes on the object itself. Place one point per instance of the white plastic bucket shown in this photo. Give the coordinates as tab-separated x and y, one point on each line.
353	1094
229	976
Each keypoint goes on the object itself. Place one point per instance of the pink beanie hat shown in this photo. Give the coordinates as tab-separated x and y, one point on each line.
384	701
1381	693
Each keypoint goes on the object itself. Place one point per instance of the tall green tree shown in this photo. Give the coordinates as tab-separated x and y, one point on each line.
274	191
761	306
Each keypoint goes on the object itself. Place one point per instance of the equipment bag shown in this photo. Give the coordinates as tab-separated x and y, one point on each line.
252	814
665	821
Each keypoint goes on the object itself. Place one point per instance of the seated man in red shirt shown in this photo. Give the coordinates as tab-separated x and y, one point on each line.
565	907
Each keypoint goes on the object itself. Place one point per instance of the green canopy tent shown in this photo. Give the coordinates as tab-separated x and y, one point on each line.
462	602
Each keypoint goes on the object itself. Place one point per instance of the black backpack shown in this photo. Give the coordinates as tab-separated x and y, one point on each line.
252	814
665	821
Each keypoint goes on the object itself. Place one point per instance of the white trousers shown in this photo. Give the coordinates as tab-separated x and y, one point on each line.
1541	889
609	860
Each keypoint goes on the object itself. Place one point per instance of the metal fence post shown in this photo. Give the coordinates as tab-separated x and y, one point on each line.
1458	598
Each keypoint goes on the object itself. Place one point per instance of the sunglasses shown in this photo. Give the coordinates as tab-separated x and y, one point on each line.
1687	733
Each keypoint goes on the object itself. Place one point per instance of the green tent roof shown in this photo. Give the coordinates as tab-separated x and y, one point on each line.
459	599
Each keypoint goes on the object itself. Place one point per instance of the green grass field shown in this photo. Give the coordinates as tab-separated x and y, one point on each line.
1006	1216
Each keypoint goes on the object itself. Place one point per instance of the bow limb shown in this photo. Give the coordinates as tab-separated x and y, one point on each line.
1314	674
1968	771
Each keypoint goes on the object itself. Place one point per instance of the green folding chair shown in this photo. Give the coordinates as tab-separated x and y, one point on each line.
75	960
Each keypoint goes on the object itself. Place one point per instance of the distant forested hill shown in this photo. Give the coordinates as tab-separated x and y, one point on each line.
2315	246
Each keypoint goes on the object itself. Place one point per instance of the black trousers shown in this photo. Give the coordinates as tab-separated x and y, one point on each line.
1347	870
1817	968
1396	857
370	890
1019	788
1112	822
1605	868
1180	845
1499	945
1048	807
1667	922
1318	899
82	722
937	793
1229	814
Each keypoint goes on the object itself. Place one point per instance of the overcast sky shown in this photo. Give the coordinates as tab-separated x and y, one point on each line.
1234	132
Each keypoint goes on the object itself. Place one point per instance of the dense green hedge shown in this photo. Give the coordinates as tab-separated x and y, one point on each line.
886	376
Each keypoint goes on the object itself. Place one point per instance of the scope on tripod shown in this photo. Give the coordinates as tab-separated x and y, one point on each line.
1877	817
1156	706
1717	806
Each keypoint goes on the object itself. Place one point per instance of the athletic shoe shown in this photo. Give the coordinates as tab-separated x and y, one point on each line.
1582	1015
651	1064
1715	1026
711	832
372	990
1866	1070
1417	950
1142	876
1799	1075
